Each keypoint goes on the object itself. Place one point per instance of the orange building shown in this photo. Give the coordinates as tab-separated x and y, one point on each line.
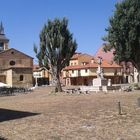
82	70
129	72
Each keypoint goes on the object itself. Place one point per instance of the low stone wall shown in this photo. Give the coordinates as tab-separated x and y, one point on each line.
99	88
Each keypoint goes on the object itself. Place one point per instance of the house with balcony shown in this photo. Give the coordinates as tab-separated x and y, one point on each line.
82	70
129	72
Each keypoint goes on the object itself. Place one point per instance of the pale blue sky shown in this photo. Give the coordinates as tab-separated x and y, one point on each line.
24	19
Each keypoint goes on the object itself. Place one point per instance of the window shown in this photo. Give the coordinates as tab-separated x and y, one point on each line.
12	63
82	63
12	52
21	78
67	74
115	72
86	70
72	71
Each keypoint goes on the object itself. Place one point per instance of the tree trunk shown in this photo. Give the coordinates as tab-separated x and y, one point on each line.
56	80
138	69
139	77
58	87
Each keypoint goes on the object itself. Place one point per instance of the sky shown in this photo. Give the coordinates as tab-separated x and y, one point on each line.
24	19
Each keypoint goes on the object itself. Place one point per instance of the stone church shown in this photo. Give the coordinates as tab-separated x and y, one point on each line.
16	68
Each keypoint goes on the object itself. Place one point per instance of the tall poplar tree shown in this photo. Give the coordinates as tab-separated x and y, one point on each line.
124	32
57	46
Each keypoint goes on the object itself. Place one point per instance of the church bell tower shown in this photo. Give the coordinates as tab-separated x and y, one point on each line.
3	40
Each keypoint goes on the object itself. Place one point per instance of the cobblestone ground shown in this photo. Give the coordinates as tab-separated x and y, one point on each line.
42	115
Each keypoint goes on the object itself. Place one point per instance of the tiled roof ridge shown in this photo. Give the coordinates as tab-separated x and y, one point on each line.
105	64
80	54
87	54
15	50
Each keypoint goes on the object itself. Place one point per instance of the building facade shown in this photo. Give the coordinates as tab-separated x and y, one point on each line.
129	71
82	70
15	66
41	76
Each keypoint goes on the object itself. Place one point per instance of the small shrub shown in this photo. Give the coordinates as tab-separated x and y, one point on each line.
5	91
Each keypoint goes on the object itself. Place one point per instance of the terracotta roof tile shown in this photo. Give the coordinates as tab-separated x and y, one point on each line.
75	56
85	58
108	56
105	64
82	57
35	67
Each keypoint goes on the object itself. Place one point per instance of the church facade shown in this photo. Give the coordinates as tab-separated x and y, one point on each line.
16	68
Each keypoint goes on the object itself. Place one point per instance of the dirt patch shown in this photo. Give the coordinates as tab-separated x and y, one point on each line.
49	116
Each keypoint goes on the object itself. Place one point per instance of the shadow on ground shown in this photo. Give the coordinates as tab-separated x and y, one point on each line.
6	115
2	138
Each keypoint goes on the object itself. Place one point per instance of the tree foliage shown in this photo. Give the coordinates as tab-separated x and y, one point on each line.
56	48
124	32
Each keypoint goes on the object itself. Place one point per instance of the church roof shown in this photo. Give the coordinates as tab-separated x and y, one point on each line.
12	49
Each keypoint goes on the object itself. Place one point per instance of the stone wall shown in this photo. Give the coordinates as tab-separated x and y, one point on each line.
22	77
14	58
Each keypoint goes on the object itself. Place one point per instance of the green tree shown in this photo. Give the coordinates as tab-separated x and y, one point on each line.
124	32
57	46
